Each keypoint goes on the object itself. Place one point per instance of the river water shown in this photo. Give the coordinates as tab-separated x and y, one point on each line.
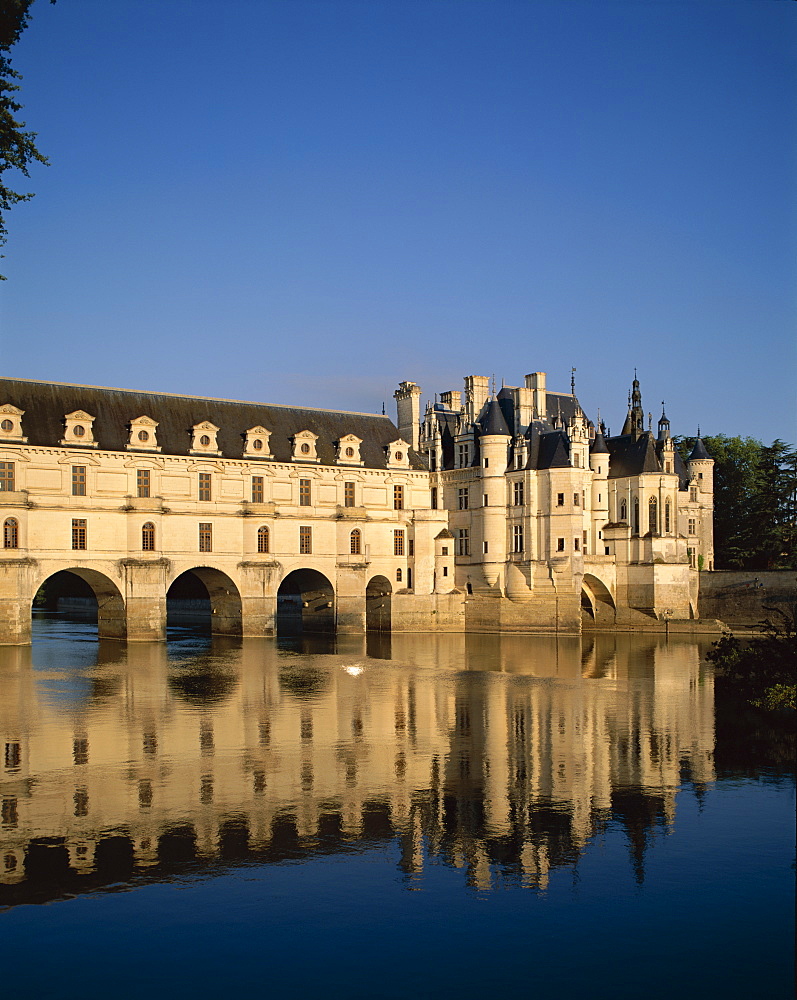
415	816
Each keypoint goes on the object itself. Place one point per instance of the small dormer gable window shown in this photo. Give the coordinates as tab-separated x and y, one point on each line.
398	455
79	429
348	450
304	447
143	434
11	423
203	439
256	442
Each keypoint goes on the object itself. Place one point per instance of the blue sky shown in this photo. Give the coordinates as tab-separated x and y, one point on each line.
306	202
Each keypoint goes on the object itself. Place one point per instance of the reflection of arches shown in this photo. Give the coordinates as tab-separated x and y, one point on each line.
305	603
597	604
378	598
89	592
204	595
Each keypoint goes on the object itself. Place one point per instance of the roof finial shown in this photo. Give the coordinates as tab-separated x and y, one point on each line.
572	381
493	384
383	407
698	430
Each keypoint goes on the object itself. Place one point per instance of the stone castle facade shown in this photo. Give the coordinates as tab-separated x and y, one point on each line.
503	511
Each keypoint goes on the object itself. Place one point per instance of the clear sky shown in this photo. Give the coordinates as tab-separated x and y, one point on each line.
307	202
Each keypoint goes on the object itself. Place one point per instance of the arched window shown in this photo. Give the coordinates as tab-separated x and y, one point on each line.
636	515
398	576
148	537
653	516
11	533
623	510
667	516
355	542
263	539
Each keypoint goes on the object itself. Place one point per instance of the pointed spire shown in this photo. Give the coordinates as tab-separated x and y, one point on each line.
699	451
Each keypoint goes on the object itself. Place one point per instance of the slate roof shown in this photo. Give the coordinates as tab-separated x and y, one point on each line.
46	403
494	422
699	450
632	456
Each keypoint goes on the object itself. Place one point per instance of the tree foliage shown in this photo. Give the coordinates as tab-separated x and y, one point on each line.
755	502
761	672
17	147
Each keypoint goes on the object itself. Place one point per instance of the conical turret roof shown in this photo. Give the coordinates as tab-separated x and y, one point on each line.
494	422
599	446
699	450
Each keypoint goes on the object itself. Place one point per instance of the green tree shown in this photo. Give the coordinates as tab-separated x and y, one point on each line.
17	147
755	502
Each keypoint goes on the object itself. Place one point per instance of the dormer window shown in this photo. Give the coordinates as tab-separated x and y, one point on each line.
348	450
304	446
398	454
79	429
11	423
256	442
143	434
203	439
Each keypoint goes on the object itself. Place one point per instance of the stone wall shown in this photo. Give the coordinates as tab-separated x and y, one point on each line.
738	598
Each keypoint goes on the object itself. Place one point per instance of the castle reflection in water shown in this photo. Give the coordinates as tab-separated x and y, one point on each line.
499	755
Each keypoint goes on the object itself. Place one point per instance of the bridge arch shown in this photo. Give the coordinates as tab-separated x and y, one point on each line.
378	601
92	586
305	603
598	607
205	593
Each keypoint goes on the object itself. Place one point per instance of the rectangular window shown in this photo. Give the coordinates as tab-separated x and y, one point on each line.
258	489
304	492
691	526
463	499
517	538
463	456
518	494
434	498
560	499
486	548
398	498
348	494
205	537
410	546
78	480
487	463
444	550
433	460
305	540
398	543
693	494
142	482
463	542
577	544
445	571
6	477
584	543
485	500
205	491
576	500
560	544
78	533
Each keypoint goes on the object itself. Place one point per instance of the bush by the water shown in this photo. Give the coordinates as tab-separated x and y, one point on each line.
761	671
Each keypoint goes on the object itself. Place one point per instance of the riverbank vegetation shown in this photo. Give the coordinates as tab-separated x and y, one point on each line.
760	671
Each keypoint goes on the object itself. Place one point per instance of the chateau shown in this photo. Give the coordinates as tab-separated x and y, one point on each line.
494	511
